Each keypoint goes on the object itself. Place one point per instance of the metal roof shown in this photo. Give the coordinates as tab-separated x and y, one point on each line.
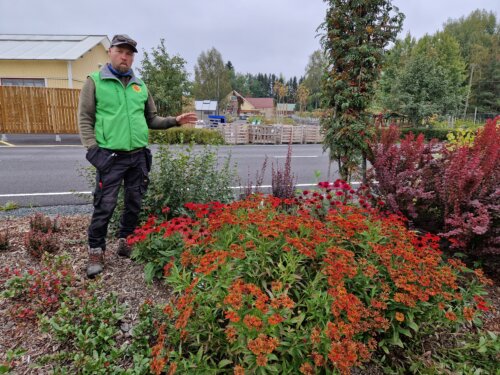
289	107
48	47
261	103
205	105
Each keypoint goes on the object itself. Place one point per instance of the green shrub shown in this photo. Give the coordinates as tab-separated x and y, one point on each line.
314	285
429	133
458	123
179	135
187	175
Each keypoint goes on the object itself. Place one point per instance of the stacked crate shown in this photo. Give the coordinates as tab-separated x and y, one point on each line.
292	134
312	134
263	134
234	134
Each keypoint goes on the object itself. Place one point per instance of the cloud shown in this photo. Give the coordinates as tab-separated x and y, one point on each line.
267	36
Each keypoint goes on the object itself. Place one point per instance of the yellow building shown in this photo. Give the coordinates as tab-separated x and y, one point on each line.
240	105
62	61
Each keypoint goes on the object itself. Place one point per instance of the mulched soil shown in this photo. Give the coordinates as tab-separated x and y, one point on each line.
121	276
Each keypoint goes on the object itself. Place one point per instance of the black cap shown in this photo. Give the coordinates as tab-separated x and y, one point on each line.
121	39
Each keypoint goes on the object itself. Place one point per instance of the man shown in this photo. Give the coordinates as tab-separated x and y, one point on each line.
114	114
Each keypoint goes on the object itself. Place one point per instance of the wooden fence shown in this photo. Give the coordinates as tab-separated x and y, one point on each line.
38	110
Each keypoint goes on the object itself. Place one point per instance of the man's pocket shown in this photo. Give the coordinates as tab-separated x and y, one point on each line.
100	158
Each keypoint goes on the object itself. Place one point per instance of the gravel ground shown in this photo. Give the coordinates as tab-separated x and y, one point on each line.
70	210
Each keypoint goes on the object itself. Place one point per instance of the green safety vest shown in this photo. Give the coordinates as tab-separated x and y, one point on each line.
120	123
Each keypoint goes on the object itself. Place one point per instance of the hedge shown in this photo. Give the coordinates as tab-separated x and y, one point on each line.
181	135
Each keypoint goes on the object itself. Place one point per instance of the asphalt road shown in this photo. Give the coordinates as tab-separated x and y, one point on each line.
37	170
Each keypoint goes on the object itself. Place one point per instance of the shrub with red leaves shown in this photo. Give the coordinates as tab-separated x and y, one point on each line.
452	192
37	243
469	192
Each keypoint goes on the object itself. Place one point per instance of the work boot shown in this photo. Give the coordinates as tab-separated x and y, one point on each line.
124	250
96	262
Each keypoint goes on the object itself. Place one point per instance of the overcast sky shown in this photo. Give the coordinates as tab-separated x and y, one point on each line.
268	36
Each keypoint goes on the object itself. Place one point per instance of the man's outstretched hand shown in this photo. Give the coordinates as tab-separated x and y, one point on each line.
186	118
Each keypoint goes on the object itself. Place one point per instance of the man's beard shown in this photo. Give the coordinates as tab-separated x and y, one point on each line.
121	69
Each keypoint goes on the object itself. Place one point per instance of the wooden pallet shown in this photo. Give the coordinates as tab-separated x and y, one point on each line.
263	134
312	134
234	134
291	134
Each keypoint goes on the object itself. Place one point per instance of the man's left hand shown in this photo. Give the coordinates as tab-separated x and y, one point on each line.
186	118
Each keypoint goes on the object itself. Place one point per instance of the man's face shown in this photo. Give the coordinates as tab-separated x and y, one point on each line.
121	57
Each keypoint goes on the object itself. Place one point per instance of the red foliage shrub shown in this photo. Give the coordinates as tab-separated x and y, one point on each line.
38	242
452	192
403	172
469	192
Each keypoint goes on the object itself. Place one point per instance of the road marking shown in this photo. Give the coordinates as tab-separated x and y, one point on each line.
297	156
40	146
89	192
7	144
43	194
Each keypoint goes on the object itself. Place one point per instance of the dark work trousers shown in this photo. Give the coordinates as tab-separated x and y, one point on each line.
132	169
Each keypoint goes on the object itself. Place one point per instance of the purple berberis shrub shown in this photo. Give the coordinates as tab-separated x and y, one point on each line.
469	192
402	172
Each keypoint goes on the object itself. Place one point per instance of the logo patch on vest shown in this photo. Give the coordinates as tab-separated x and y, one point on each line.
136	88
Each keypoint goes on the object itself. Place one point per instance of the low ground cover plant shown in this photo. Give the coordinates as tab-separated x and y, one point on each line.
313	284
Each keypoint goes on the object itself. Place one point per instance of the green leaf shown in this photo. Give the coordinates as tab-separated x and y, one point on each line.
396	340
412	325
149	272
298	319
224	363
405	332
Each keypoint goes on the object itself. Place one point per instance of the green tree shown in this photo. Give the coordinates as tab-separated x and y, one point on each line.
211	77
356	35
167	79
314	74
395	60
302	96
478	35
423	78
422	89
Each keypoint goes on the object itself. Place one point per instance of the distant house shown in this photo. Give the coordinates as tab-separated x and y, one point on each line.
62	61
205	108
238	104
285	109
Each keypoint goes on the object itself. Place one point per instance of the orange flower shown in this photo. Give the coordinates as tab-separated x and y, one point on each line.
468	313
232	316
306	369
483	279
400	317
168	310
318	359
275	319
172	369
252	322
315	335
262	344
450	316
276	285
261	360
231	334
238	370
